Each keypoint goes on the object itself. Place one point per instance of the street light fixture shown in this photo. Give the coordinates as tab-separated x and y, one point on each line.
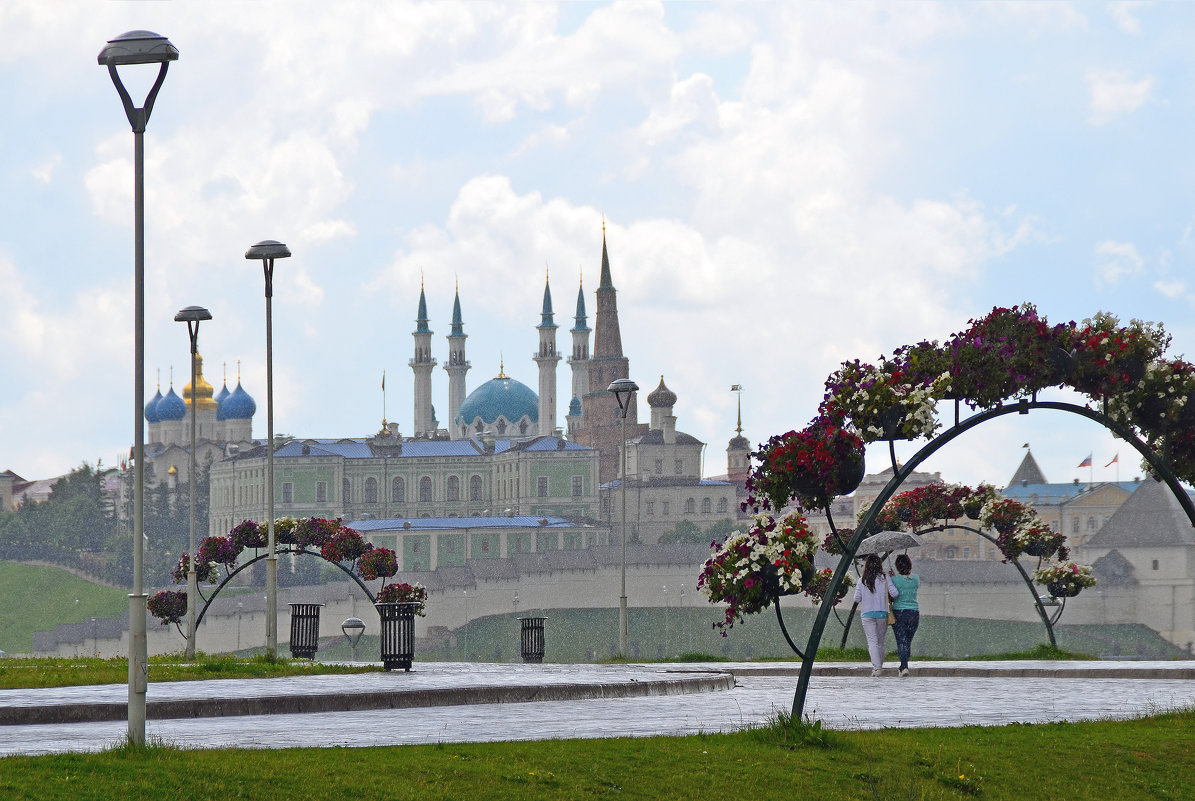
623	388
266	251
192	316
353	628
138	47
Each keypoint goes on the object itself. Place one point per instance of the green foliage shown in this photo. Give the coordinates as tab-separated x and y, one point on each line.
38	598
785	730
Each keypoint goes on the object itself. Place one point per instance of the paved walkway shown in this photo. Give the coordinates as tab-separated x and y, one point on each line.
965	693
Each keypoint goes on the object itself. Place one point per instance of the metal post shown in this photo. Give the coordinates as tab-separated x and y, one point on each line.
138	648
622	598
272	559
192	316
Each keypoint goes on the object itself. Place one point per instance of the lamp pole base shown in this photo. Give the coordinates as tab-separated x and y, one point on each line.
622	626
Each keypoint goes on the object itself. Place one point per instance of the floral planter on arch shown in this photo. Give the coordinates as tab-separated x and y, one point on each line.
1041	547
1062	589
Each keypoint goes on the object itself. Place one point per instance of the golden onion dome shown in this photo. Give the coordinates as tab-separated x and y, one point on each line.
205	394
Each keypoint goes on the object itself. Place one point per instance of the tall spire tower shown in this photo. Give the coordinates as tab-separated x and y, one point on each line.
579	362
547	359
601	426
422	365
456	368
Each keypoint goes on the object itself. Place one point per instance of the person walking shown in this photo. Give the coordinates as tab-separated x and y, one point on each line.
908	616
872	594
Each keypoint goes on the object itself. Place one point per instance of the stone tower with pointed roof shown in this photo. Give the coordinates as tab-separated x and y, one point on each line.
456	367
578	362
601	426
547	359
1028	472
422	365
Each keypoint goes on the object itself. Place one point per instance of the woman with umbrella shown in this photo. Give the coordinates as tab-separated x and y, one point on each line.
872	594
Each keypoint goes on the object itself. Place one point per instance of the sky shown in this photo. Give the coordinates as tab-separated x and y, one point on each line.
784	186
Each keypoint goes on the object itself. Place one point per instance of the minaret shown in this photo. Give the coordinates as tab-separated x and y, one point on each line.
601	426
579	362
422	365
547	359
456	368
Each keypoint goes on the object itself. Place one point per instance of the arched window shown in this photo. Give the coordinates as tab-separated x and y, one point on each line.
398	491
475	488
722	505
1074	525
425	490
501	427
706	506
690	506
454	488
347	495
1091	524
371	490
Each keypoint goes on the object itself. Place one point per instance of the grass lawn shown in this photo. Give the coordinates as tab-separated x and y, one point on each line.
1153	758
37	598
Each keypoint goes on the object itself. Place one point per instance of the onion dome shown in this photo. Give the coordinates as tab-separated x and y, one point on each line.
237	406
574	407
171	407
151	408
221	395
739	443
203	392
500	397
661	397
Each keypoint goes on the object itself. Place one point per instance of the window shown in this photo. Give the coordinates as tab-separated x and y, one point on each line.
664	507
966	552
345	491
485	546
415	546
722	505
398	491
454	488
706	506
425	489
578	486
501	427
321	492
659	466
651	508
1155	564
1091	524
451	546
475	488
690	506
541	486
371	490
679	466
1074	525
288	492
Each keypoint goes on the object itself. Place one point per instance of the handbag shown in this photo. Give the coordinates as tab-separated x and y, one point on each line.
891	614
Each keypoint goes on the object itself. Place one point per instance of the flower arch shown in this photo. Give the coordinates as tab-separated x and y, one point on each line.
995	367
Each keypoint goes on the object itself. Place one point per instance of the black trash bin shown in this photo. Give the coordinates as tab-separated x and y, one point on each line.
398	634
304	630
531	639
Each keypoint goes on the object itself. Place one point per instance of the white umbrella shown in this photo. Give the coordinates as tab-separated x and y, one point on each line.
887	541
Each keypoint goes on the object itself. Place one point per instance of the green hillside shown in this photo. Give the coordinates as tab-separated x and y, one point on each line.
35	598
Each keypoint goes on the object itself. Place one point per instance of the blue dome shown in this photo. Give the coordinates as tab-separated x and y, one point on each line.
151	408
500	397
237	406
574	407
224	393
171	407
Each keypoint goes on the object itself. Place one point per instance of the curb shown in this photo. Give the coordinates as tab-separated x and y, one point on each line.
354	702
927	669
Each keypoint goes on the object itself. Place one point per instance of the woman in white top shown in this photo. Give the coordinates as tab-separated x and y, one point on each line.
872	594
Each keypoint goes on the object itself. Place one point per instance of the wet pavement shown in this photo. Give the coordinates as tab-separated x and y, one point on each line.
448	702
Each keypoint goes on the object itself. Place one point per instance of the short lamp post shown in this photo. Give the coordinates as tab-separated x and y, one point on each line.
266	251
353	628
192	316
623	388
138	47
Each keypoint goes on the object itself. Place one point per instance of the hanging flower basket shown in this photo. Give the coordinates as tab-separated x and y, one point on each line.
1060	589
813	465
1064	579
1041	548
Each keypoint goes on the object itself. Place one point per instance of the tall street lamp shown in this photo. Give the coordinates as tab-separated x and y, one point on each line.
138	47
623	388
192	316
266	251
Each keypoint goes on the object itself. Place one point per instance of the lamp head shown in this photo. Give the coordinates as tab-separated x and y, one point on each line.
137	47
622	389
268	249
353	628
192	314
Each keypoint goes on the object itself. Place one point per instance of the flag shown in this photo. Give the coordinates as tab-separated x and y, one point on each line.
1086	462
1115	459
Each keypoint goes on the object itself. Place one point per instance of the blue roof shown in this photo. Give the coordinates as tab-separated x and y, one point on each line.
421	317
580	318
358	448
151	408
1060	493
239	405
545	318
171	407
457	325
500	397
574	407
224	393
426	523
705	482
552	444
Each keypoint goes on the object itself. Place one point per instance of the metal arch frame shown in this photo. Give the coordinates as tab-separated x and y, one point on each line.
259	557
1023	406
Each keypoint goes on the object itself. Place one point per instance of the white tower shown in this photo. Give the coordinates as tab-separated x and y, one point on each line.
547	359
456	368
422	365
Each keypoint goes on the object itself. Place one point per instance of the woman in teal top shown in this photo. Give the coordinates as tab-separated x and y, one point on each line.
908	616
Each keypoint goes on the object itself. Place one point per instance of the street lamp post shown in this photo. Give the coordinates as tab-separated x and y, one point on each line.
266	251
192	316
138	47
622	389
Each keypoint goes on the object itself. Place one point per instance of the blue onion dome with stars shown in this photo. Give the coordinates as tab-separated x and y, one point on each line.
239	405
503	397
171	407
151	408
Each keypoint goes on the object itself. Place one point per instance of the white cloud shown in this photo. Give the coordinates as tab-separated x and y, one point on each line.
1117	259
44	171
1116	93
1124	14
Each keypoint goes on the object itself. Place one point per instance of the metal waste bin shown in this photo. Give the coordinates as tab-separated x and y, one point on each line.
531	639
397	634
304	630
